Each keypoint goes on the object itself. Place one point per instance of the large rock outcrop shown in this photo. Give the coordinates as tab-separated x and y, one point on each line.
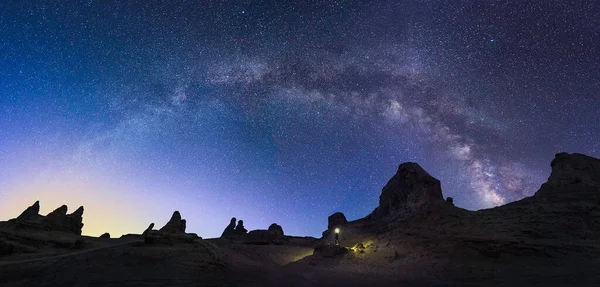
240	229
276	229
336	220
410	189
57	220
30	231
172	233
273	235
230	229
32	212
175	224
573	175
233	231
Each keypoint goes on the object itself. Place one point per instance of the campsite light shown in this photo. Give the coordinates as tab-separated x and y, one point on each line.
337	231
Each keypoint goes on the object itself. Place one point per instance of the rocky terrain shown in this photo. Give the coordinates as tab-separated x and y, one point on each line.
414	237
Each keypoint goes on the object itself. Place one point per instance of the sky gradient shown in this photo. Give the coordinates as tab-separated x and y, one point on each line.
286	112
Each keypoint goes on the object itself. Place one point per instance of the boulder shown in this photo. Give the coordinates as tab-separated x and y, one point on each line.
105	235
175	224
172	233
410	189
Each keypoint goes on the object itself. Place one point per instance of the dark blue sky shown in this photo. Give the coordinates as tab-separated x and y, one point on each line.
286	112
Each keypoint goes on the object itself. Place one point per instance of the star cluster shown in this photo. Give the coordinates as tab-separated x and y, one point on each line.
286	111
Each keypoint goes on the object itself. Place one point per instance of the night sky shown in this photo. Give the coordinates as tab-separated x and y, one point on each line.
285	111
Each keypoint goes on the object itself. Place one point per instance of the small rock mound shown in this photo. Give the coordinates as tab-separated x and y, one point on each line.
105	235
411	188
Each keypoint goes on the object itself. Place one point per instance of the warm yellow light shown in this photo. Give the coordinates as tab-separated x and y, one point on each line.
337	231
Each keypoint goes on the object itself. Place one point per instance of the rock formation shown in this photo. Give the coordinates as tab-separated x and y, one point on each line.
105	235
57	220
274	235
234	232
175	224
58	214
74	221
172	233
336	220
230	229
240	229
29	231
572	174
31	212
276	229
150	227
410	189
